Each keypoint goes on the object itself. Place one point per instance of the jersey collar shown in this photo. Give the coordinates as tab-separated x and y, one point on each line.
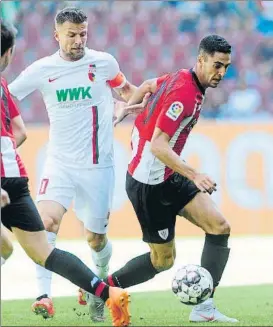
201	88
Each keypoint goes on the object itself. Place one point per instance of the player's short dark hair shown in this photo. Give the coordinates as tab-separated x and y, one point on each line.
214	43
7	37
72	15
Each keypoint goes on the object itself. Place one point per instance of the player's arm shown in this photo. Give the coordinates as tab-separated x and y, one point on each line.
5	200
117	80
19	130
161	149
126	91
137	101
27	82
149	86
167	125
17	124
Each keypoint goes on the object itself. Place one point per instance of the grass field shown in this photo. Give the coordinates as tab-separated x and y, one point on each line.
252	305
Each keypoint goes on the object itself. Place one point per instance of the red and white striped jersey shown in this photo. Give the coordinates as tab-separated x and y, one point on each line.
11	163
174	108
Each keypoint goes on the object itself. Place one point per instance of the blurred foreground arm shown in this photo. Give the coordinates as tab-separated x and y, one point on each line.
4	198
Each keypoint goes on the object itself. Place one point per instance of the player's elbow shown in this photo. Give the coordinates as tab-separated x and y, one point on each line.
23	135
148	86
20	136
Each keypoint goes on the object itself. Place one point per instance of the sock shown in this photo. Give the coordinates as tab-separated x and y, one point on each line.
215	256
72	268
43	275
136	271
101	260
2	261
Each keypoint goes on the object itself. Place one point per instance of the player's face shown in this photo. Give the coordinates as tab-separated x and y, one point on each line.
72	39
214	68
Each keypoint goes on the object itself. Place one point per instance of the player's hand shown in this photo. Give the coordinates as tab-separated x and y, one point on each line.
122	110
4	198
205	183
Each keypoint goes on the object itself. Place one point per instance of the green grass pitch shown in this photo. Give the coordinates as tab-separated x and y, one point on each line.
252	305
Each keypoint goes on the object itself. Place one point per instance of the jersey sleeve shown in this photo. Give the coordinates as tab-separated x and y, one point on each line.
161	79
25	83
116	78
175	109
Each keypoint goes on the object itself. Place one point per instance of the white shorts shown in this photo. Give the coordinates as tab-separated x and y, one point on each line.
91	189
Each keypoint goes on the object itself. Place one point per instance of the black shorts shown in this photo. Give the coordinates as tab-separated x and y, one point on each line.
157	206
21	212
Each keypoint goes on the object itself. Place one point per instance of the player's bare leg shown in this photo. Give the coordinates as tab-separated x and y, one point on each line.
203	212
144	267
101	253
51	213
69	266
36	247
163	255
6	245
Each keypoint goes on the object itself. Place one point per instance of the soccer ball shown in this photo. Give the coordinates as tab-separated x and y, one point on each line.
192	284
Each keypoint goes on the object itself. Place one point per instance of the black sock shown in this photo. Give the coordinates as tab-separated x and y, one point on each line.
136	271
72	268
44	296
215	256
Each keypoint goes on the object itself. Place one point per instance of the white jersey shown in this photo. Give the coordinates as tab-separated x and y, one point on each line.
80	106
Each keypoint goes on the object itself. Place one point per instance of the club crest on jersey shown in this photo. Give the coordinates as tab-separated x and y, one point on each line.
91	72
175	110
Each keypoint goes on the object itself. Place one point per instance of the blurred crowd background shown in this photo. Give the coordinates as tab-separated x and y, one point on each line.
150	38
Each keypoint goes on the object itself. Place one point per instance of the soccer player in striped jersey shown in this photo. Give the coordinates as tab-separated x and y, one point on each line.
20	215
161	186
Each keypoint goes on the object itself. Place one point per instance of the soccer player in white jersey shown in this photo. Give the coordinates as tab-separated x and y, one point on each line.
76	83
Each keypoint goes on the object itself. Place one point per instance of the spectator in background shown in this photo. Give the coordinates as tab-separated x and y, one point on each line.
265	18
246	24
10	10
243	102
215	8
265	50
191	14
213	105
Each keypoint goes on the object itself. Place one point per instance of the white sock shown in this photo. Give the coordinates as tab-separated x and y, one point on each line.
101	260
43	275
2	261
208	302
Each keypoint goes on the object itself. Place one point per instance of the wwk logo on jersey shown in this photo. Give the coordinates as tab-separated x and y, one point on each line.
175	110
91	72
77	93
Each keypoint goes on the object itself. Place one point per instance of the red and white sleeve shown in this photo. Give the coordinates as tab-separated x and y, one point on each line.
175	109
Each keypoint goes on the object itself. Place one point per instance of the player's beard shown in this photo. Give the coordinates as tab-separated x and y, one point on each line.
76	55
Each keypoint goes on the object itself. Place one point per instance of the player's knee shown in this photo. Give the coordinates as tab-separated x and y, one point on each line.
51	223
217	226
96	241
7	250
222	227
225	228
163	262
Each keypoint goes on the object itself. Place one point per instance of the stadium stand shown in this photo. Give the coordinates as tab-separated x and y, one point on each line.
150	38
